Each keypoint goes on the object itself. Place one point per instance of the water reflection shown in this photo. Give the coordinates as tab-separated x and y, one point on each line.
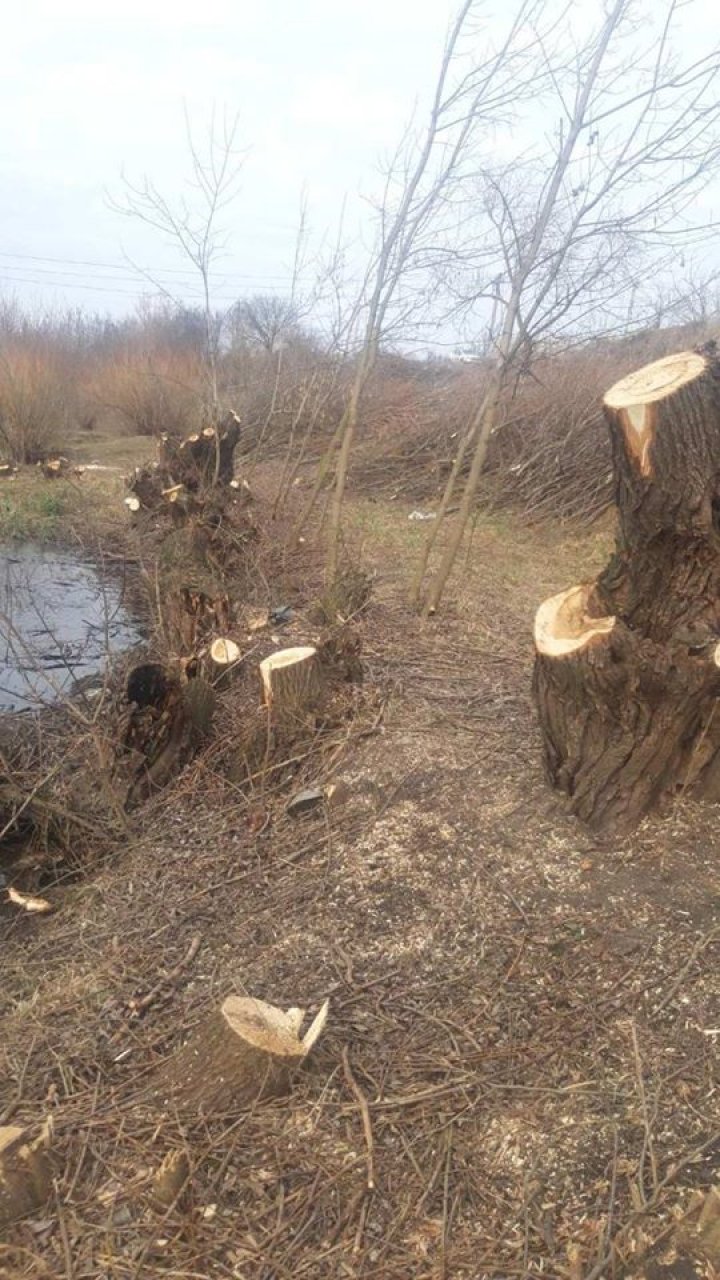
59	622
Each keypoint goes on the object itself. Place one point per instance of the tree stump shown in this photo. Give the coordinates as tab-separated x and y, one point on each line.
292	682
627	668
243	1053
205	458
25	1172
222	661
187	470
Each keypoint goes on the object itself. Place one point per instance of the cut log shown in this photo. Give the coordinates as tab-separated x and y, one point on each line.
291	681
626	670
25	1172
7	470
245	1052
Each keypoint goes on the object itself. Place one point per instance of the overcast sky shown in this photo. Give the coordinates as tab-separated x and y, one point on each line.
88	89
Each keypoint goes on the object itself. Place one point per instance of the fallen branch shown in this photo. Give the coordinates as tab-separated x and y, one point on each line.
139	1007
365	1113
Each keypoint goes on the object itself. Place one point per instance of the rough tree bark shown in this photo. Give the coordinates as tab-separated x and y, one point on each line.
627	669
292	682
244	1052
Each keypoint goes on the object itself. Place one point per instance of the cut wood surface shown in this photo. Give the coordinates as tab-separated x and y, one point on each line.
291	680
25	1172
562	625
626	670
222	662
224	652
244	1052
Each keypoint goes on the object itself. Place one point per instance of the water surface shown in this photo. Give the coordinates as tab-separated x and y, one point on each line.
60	620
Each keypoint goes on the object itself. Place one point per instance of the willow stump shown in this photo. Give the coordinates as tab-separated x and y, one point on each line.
291	682
246	1051
627	668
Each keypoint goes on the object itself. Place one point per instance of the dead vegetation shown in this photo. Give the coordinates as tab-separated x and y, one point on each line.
517	1073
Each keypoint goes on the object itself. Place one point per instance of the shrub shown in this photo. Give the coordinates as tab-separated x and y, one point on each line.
151	393
35	402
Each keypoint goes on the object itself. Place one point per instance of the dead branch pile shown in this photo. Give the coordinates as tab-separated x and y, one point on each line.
549	456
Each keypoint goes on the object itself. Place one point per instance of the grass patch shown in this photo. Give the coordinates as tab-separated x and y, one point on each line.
29	513
33	509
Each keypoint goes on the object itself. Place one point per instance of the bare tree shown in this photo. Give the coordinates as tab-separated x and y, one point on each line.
565	232
193	225
266	320
419	188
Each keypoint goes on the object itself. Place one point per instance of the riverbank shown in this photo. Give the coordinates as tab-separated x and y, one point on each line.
528	1014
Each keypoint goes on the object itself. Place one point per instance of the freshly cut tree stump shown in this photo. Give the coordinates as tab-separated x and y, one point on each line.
222	661
292	681
186	471
627	668
245	1052
25	1172
204	458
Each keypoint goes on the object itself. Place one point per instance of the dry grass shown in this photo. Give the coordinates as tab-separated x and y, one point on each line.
36	402
150	392
530	1015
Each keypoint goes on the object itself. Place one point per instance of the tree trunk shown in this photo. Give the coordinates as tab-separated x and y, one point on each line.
627	670
244	1052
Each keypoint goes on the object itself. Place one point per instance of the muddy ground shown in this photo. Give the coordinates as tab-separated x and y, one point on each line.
531	1014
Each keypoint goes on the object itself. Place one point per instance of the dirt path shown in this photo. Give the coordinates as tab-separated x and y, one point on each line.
531	1016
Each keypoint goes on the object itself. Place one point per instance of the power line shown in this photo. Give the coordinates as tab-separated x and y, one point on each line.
128	293
118	266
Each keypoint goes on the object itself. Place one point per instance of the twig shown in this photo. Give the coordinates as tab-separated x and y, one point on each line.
67	1251
13	1105
445	1219
647	1148
600	1268
138	1007
700	945
365	1112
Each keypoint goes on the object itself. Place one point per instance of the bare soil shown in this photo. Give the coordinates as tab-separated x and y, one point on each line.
531	1015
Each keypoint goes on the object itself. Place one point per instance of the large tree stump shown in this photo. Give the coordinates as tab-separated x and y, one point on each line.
186	471
627	668
204	458
243	1053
